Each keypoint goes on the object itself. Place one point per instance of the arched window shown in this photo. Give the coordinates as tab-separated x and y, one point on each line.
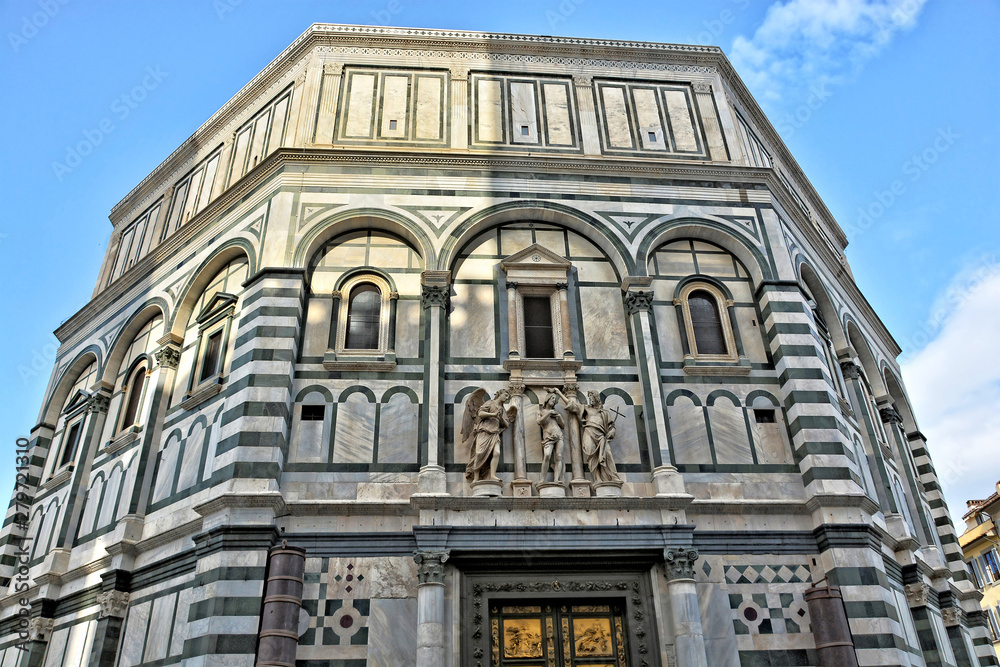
364	315
133	398
706	323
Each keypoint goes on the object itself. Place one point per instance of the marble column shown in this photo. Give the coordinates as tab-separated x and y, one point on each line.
567	338
434	295
639	305
430	608
514	342
883	488
588	114
39	632
113	604
521	486
892	422
459	108
689	640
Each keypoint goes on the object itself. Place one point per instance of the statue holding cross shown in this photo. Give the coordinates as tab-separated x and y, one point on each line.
598	428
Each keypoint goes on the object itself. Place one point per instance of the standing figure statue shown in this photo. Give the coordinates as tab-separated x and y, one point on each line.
597	429
552	425
482	425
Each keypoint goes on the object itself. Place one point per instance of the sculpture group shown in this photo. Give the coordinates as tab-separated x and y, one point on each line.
485	419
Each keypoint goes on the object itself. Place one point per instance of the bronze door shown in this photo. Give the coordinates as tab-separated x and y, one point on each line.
558	634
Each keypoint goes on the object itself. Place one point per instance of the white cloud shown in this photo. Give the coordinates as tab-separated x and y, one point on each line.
954	385
804	43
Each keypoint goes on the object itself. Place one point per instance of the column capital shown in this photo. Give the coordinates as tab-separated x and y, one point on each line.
333	68
850	369
434	295
679	563
98	402
640	300
702	87
430	566
917	594
167	356
562	287
582	80
951	616
516	387
890	415
40	628
459	73
113	604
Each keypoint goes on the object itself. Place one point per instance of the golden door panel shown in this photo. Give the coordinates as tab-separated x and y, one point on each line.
558	635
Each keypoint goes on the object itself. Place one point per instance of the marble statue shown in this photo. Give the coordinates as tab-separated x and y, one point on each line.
483	424
552	425
597	426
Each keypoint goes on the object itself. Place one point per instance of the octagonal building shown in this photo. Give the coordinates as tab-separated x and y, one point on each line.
461	349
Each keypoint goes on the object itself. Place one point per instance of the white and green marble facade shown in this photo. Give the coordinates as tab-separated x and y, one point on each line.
428	157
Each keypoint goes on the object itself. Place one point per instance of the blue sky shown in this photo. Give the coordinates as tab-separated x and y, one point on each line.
889	106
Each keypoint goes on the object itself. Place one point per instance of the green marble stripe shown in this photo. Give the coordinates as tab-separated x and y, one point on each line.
781	307
273	292
250	439
220	645
229	572
247	470
266	332
257	409
829	473
269	311
789	328
794	351
225	606
715	380
796	397
821	448
817	373
885	640
813	422
368	375
782	657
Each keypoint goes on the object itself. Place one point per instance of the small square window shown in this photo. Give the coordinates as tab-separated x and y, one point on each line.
392	125
652	136
313	413
764	416
524	130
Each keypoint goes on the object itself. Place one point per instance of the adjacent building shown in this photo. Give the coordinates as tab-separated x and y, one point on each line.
445	348
980	543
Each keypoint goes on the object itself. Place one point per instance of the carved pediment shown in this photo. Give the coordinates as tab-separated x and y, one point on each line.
78	399
218	305
535	256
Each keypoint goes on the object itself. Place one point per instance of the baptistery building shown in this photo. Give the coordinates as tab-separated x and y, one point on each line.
452	349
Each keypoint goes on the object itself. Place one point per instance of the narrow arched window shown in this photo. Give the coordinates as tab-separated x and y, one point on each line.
134	397
706	323
363	316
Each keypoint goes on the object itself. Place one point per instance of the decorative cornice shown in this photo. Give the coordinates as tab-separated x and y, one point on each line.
113	604
678	564
430	566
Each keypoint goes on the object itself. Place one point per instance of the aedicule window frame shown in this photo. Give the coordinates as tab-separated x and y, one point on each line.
340	357
723	305
216	318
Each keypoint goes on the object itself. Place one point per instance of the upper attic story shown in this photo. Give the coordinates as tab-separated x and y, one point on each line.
360	88
980	520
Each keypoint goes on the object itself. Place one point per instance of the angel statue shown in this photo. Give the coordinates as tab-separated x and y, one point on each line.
597	429
482	425
552	425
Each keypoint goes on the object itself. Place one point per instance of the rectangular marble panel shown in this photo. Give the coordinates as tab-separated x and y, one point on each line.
489	116
307	441
355	434
625	444
159	621
719	265
473	329
57	648
181	626
729	433
688	434
675	263
388	257
524	125
278	121
681	123
359	105
581	247
533	433
392	633
557	120
239	160
596	272
476	269
605	335
317	332
771	446
669	334
260	128
135	632
616	117
647	112
397	431
429	107
552	240
713	130
395	102
751	334
513	240
408	328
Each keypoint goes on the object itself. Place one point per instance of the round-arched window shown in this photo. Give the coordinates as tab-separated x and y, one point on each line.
708	335
363	316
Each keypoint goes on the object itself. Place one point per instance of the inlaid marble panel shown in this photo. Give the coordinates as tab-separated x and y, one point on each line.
729	433
625	444
135	631
489	94
681	123
159	621
359	106
557	114
604	326
616	117
429	107
397	432
193	446
687	431
355	434
524	125
392	633
395	102
472	324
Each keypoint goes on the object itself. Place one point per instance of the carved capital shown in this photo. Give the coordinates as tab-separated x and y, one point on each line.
562	287
459	73
39	629
951	616
333	68
702	87
337	295
98	403
113	604
850	369
516	387
679	563
434	295
393	296
889	415
918	594
168	356
581	80
430	566
638	301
